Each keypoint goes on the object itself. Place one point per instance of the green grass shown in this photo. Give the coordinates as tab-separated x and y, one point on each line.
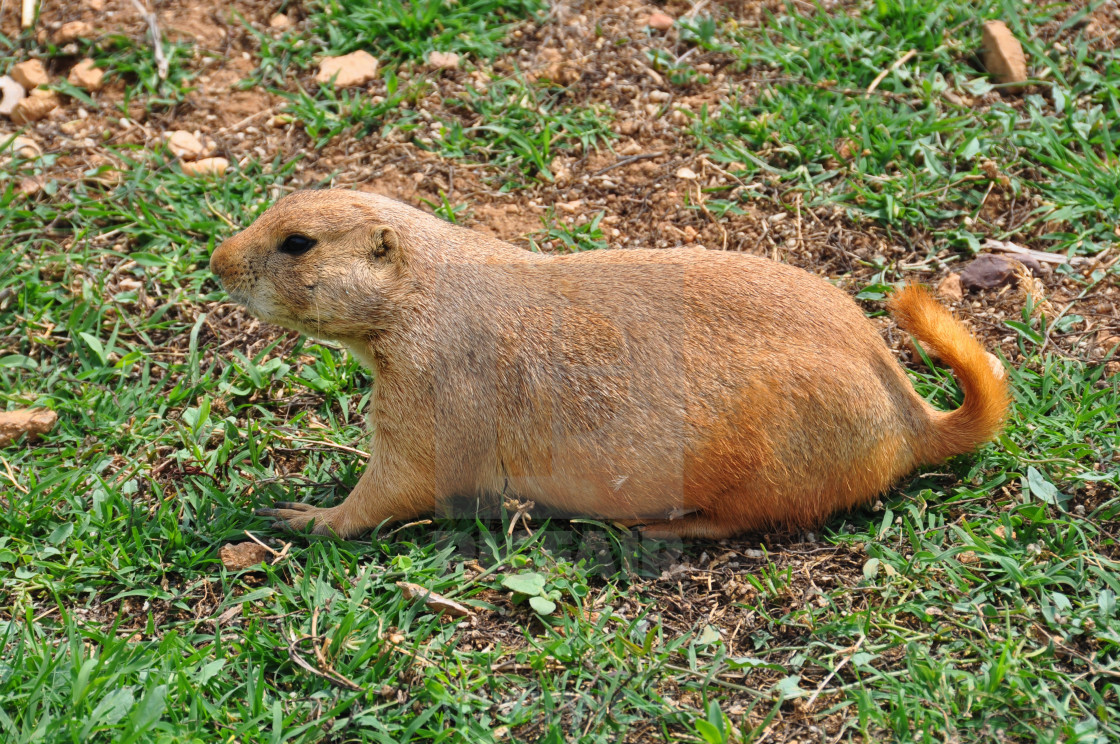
512	124
924	149
976	602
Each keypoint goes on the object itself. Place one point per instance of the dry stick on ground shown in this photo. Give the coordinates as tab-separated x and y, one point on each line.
897	63
154	32
812	699
27	14
627	161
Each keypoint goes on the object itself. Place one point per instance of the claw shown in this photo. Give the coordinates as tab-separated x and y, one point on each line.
295	506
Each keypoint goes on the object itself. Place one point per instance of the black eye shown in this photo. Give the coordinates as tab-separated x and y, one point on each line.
295	245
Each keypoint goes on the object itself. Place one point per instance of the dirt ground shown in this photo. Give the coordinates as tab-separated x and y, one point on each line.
633	181
594	48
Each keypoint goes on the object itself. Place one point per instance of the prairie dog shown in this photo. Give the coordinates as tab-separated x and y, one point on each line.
698	393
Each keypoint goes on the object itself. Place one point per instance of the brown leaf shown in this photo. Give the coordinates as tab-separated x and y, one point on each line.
29	421
239	556
436	602
988	272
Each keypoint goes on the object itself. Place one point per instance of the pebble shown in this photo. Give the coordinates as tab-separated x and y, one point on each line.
29	421
950	288
356	68
26	147
184	145
687	174
280	22
30	74
205	167
443	60
660	21
33	108
1003	54
11	93
73	31
86	75
1108	341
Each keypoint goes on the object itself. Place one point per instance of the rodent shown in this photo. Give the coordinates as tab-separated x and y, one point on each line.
698	393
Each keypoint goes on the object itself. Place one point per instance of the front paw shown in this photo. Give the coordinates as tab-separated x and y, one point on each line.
297	517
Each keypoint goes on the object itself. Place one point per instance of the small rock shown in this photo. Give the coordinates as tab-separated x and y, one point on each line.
185	145
72	31
95	4
1003	54
30	74
239	556
26	147
987	272
30	421
86	75
11	93
1108	341
687	174
443	60
30	186
356	68
280	22
33	108
660	21
205	167
950	288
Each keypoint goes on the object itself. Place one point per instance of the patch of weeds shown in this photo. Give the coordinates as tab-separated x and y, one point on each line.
915	152
396	31
134	61
569	238
446	210
333	112
521	127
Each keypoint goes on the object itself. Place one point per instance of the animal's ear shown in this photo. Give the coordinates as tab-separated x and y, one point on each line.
385	243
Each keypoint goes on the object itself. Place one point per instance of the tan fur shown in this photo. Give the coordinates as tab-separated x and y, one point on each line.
699	392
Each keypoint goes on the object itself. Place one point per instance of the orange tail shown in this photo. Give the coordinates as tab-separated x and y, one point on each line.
986	393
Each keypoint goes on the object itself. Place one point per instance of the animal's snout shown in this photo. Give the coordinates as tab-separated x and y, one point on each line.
220	260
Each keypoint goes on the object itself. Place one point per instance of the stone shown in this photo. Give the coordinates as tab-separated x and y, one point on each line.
86	75
988	272
95	4
11	93
30	421
356	68
1003	54
950	288
185	145
280	22
29	187
1108	341
443	60
26	147
687	174
205	167
72	31
660	21
239	556
33	108
30	74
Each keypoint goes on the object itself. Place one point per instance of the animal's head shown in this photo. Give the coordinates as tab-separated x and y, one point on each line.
327	263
